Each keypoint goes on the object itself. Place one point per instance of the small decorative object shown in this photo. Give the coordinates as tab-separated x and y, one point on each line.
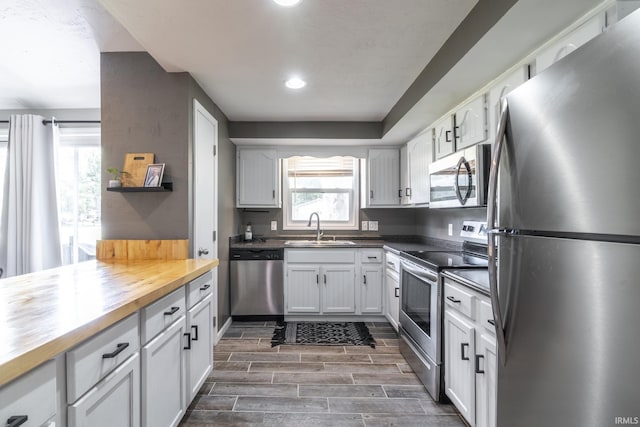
248	234
117	175
154	175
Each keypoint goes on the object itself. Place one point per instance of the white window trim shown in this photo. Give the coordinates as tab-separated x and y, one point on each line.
288	224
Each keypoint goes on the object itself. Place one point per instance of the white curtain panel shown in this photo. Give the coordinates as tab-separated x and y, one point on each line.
29	233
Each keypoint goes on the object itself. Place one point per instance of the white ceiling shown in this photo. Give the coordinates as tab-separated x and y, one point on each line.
358	56
50	56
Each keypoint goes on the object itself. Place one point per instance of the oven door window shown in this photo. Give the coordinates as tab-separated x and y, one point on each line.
416	301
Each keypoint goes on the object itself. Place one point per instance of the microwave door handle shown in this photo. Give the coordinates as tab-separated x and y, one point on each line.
456	181
467	166
491	223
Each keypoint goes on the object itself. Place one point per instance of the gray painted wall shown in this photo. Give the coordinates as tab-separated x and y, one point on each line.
145	109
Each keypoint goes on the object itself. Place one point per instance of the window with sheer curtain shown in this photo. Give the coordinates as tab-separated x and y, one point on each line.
78	179
328	186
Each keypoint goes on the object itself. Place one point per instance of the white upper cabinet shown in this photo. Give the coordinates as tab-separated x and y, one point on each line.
443	142
383	177
258	178
498	92
570	42
415	160
471	123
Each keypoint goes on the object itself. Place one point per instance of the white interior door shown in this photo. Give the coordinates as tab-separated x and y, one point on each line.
205	192
205	189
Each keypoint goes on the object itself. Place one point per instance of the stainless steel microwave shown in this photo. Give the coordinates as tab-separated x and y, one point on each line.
461	179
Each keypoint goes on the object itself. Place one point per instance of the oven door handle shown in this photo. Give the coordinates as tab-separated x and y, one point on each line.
422	273
491	223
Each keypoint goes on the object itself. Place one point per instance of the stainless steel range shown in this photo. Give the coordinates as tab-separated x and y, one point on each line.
421	303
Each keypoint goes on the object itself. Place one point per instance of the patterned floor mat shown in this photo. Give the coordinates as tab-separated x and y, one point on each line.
322	333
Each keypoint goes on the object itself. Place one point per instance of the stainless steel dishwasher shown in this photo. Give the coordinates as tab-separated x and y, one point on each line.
257	282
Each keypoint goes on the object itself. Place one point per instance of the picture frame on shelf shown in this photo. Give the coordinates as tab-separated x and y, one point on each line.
153	178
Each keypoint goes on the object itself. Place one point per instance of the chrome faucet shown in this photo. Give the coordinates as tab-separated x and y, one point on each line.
320	232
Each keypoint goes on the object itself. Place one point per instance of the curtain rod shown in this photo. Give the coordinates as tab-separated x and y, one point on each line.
47	122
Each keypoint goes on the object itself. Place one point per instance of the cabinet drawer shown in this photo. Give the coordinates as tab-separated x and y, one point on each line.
32	395
392	261
485	314
315	256
162	313
96	357
199	288
455	296
370	256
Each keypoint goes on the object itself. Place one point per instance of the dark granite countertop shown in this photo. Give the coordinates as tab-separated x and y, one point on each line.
477	279
392	243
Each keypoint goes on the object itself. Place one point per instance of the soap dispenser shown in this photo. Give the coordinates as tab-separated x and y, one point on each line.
248	234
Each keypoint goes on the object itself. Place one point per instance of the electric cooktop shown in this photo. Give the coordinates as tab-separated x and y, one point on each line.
440	260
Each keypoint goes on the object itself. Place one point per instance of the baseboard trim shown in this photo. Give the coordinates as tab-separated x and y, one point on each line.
223	330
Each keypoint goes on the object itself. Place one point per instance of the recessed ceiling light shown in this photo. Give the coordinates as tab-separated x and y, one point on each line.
287	3
295	83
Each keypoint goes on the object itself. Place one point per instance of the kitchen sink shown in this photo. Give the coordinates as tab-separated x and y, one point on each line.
316	243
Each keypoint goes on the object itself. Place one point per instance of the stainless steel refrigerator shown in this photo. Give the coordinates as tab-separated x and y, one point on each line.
566	287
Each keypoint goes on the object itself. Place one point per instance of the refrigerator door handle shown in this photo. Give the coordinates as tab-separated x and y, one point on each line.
491	223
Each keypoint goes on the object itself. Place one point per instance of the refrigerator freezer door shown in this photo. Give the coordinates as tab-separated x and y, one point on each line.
572	312
571	161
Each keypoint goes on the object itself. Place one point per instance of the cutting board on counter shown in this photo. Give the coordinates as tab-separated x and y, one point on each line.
135	164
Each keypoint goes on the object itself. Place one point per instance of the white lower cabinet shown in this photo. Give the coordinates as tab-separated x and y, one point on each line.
163	376
200	356
303	292
114	401
392	288
31	399
459	350
470	359
371	289
338	293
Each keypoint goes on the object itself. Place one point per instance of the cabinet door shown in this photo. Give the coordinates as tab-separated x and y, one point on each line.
392	310
338	291
471	123
114	401
486	377
405	179
443	142
257	178
498	92
459	351
419	158
164	377
371	289
570	42
303	289
33	395
384	177
200	357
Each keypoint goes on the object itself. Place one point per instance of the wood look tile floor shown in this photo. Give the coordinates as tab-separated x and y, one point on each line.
253	384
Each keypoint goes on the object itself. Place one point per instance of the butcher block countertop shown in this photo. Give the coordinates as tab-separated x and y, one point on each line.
46	313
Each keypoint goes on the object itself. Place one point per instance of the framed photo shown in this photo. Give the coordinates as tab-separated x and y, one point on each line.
153	178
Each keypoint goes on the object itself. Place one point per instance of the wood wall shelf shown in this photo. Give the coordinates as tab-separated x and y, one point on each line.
164	187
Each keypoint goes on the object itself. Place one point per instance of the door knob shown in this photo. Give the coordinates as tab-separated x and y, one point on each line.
203	252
